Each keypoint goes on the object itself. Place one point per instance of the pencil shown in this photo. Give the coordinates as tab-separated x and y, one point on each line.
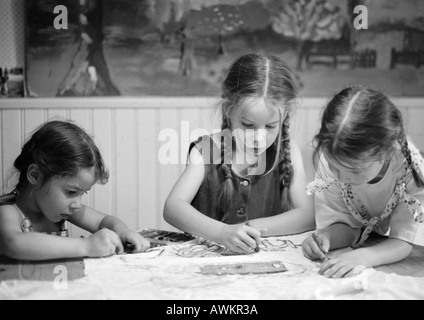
314	236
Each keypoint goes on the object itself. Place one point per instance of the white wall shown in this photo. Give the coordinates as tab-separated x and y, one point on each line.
127	130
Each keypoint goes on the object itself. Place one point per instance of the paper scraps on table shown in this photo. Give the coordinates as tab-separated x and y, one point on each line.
148	254
277	244
204	249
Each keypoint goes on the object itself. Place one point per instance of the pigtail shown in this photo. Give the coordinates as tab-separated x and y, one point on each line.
407	154
227	189
9	198
285	165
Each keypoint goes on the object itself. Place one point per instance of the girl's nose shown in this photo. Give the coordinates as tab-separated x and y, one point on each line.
260	137
76	204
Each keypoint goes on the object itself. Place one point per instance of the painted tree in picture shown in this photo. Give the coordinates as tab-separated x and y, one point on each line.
306	20
196	19
89	74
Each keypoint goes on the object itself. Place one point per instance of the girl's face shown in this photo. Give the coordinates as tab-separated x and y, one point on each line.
61	197
355	173
257	125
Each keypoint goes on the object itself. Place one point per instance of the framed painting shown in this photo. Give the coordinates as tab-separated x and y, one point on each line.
183	47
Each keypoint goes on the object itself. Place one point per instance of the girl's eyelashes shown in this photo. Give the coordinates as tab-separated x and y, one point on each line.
75	193
247	125
251	126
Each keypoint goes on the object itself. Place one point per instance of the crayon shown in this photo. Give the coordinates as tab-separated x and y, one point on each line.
325	259
257	249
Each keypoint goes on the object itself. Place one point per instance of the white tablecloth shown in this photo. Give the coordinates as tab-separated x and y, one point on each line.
169	277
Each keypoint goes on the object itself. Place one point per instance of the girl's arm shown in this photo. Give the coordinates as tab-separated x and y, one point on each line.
38	246
387	252
178	210
339	236
301	218
92	220
181	214
336	236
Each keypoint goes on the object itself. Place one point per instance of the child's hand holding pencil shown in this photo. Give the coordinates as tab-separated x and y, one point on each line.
316	247
241	238
257	249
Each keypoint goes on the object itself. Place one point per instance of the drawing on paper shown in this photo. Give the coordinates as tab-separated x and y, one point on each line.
206	249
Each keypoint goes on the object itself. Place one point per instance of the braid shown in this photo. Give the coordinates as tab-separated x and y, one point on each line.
285	165
227	190
9	198
407	154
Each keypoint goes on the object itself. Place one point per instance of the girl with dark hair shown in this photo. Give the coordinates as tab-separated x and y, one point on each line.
248	180
369	179
57	166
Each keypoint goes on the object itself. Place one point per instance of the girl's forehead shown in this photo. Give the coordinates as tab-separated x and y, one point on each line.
259	110
84	180
349	163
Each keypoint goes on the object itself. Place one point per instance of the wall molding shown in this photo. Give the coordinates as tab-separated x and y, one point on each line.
155	103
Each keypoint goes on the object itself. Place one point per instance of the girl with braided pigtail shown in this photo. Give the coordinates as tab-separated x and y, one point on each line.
369	179
248	181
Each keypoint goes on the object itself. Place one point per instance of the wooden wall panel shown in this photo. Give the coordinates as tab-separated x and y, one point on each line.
102	134
147	163
2	187
168	173
11	143
125	167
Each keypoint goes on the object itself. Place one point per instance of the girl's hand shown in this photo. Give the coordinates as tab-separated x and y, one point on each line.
345	265
316	246
134	241
103	243
240	238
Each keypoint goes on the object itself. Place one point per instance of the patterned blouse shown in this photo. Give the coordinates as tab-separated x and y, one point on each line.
394	204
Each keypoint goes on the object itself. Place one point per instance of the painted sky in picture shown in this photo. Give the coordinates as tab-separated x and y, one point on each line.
183	47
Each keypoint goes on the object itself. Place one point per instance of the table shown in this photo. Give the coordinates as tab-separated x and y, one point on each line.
169	275
40	271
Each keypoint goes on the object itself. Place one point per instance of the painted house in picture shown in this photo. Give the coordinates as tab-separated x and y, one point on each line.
183	47
401	31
